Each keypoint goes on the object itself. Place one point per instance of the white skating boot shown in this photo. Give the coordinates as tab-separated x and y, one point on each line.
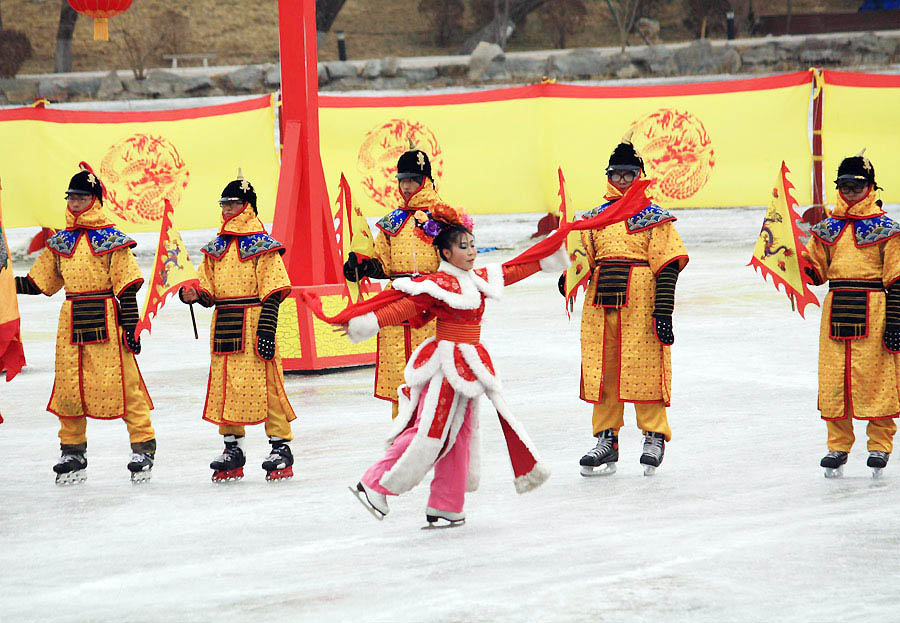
877	461
654	450
833	462
375	503
438	519
601	459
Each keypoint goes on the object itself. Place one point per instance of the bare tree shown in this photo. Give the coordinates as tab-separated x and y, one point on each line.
563	18
326	12
445	16
142	40
701	14
497	30
1	18
64	32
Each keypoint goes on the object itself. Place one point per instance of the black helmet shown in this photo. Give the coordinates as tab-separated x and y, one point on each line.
625	158
239	190
86	183
413	163
856	168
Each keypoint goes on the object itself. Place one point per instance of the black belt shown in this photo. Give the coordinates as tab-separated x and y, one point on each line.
240	301
873	285
75	296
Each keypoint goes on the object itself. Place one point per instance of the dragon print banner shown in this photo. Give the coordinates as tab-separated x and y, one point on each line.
861	110
144	159
780	251
707	144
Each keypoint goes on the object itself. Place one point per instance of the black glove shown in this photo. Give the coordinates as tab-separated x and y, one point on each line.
24	285
663	327
562	284
131	342
891	339
813	275
355	269
268	324
128	318
665	303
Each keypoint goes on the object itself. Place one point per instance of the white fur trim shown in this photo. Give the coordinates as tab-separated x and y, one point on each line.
469	389
540	472
473	477
470	356
406	412
418	377
556	262
471	286
361	328
423	451
533	479
492	288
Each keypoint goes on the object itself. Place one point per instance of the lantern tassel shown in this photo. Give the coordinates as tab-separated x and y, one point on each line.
101	29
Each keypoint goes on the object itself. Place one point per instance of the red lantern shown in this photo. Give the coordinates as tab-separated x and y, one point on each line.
100	11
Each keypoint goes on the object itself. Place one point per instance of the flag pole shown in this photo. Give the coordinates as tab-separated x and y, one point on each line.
194	322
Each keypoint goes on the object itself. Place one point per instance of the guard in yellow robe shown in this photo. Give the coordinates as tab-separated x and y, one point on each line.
244	277
96	372
626	325
403	247
857	251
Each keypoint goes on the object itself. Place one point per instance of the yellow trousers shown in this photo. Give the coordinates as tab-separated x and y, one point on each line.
880	432
277	424
395	409
610	411
73	431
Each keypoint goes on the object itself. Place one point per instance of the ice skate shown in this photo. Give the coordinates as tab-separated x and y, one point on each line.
601	460
375	503
440	520
71	469
140	466
654	450
877	461
229	466
278	463
833	462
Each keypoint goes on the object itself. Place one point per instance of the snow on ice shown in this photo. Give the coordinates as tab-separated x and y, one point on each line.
737	524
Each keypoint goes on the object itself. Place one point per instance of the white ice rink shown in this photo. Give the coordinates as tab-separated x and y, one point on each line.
738	523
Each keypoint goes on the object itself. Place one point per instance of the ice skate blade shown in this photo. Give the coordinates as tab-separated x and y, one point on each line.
834	472
876	473
228	475
72	478
649	470
437	523
362	500
277	475
140	477
606	469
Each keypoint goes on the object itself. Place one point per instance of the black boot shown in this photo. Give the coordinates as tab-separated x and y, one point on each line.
71	467
278	463
230	464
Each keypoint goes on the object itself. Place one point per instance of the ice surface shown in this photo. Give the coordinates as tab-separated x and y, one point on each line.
737	524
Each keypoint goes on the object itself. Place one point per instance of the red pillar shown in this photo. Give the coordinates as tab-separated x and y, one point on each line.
303	220
817	212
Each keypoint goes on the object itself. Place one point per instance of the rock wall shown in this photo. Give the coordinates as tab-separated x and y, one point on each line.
488	64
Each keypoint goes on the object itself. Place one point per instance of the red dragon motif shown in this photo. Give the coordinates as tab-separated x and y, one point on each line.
677	151
380	150
140	173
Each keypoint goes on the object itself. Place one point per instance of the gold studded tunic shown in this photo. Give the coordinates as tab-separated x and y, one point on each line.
93	261
242	267
855	247
647	243
403	250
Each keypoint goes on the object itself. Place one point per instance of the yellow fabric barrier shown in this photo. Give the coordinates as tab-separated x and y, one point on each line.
186	156
862	110
709	144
